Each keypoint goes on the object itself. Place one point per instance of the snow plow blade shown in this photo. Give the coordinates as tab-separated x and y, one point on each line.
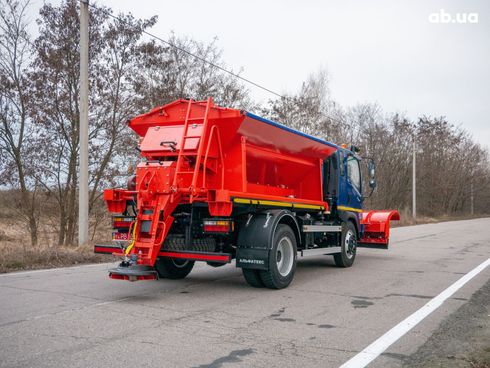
376	225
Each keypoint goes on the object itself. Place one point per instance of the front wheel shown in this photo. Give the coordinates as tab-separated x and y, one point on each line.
282	259
348	246
173	268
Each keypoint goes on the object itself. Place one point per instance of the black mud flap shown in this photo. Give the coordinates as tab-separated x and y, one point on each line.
253	258
256	235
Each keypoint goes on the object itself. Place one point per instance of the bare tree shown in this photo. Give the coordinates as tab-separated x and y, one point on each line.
115	100
130	74
311	110
449	158
15	127
55	103
168	73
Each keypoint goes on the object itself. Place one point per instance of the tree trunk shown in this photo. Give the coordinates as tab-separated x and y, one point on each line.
72	205
62	227
33	231
28	204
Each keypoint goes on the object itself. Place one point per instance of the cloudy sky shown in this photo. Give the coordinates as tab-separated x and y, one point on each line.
384	51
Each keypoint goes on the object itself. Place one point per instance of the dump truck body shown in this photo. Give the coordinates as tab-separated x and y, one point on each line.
217	184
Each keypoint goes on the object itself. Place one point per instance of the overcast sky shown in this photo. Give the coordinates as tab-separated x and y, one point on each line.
384	51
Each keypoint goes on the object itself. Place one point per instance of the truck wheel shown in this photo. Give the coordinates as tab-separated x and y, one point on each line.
282	259
348	246
252	277
173	268
215	264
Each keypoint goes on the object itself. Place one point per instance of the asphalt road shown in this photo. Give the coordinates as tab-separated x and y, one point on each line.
78	317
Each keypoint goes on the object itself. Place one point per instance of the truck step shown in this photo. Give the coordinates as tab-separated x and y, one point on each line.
319	251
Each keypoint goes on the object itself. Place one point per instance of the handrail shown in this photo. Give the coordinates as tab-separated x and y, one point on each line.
199	151
182	145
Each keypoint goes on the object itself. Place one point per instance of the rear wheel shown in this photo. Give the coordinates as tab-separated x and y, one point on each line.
348	246
252	277
215	264
282	259
173	268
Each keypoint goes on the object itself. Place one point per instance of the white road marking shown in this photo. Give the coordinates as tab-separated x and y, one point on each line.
371	352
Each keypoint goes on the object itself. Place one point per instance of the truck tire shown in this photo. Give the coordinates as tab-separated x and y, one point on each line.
215	264
252	277
173	268
282	259
348	245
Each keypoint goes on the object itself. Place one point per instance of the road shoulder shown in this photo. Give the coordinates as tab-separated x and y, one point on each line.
462	339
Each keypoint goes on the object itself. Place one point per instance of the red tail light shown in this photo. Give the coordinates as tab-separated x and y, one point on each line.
218	226
122	222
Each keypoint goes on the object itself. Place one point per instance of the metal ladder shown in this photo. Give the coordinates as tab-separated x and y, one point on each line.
181	156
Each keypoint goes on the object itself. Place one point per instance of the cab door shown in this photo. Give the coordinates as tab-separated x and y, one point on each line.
350	183
355	182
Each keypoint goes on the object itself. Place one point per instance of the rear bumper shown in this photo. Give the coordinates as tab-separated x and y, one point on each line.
107	249
198	256
191	256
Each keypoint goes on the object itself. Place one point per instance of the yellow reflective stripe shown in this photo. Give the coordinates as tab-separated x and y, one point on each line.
243	200
311	206
246	201
273	203
278	204
344	208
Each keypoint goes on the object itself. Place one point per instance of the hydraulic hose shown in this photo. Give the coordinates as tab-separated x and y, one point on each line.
133	238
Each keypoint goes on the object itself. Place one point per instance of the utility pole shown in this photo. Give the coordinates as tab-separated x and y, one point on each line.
83	169
414	180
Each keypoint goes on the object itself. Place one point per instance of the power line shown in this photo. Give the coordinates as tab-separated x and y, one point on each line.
199	57
190	53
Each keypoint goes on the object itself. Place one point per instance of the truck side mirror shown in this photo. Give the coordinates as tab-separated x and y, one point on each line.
372	174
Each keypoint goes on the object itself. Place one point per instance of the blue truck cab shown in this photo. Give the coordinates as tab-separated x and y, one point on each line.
343	185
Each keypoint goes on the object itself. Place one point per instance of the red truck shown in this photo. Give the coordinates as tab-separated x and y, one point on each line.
217	184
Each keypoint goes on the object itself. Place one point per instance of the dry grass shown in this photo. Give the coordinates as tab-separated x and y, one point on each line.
16	252
408	220
14	259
